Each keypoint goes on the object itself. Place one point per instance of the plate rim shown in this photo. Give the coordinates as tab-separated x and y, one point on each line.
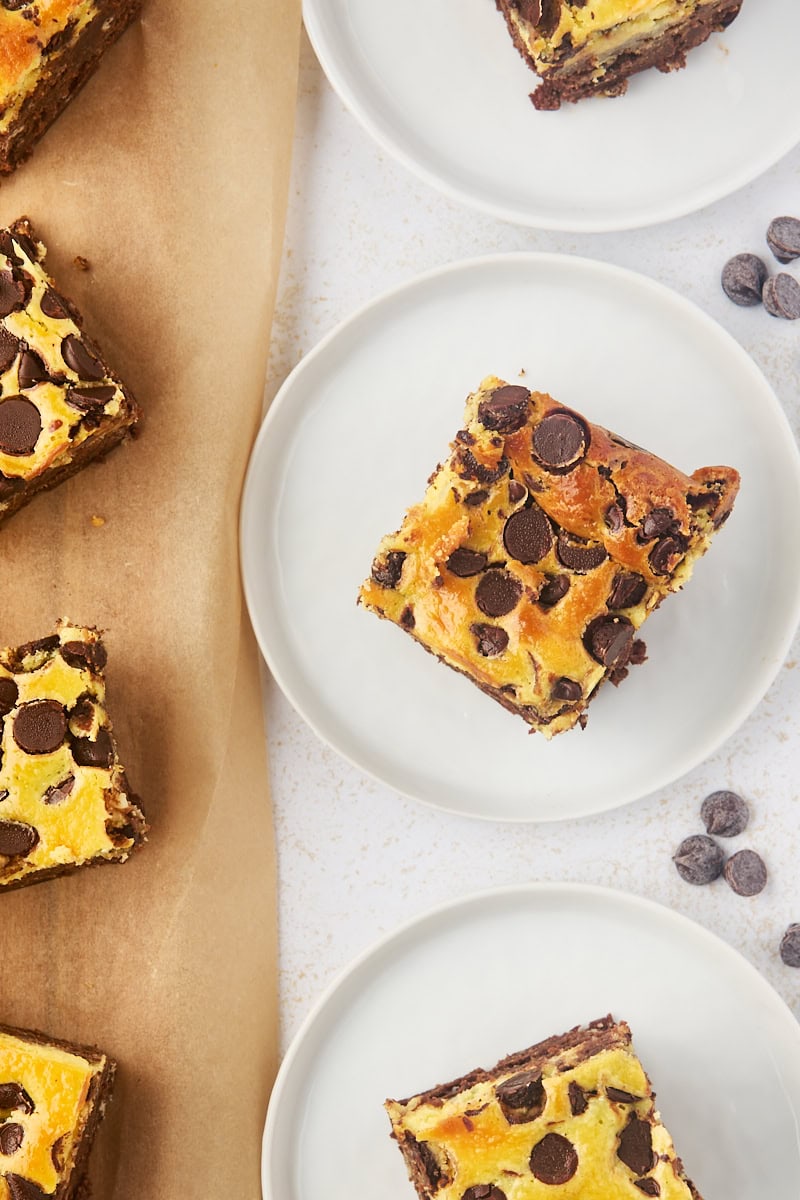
534	259
441	912
733	182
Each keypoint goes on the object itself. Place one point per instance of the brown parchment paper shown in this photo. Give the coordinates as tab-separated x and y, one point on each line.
169	173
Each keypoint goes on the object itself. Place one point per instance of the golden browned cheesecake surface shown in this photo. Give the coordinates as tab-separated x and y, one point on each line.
541	546
65	800
572	1118
28	32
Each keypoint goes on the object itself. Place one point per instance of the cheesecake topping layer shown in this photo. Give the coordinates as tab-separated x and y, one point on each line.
32	32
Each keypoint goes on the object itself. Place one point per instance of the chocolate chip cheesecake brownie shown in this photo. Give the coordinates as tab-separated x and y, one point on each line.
65	801
48	49
582	49
52	1097
540	548
572	1116
60	404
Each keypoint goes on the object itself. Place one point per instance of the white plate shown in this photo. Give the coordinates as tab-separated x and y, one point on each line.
439	85
494	973
348	445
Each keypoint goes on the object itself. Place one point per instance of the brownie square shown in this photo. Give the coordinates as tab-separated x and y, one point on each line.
61	405
65	800
48	49
52	1097
573	1115
541	546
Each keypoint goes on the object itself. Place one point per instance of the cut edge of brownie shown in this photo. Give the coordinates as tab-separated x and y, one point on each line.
66	68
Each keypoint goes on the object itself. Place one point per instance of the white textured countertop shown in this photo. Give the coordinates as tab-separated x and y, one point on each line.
355	859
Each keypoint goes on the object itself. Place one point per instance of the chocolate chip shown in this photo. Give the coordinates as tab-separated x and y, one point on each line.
790	946
89	399
12	1136
16	838
621	1097
524	1091
54	306
650	1187
79	359
527	535
544	14
554	590
614	518
516	491
484	1191
8	695
473	499
13	1096
20	426
566	689
387	571
638	653
577	1099
498	593
506	410
436	1176
407	619
58	793
468	467
84	656
491	639
9	348
743	278
97	753
627	590
579	555
554	1159
781	297
657	523
464	562
23	1189
608	640
662	554
24	243
40	726
560	441
724	814
783	238
31	370
746	873
36	648
698	859
13	293
636	1146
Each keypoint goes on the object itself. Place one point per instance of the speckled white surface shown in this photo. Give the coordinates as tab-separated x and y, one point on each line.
355	859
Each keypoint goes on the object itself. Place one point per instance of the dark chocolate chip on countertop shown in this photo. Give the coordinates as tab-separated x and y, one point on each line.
781	296
783	238
724	814
746	873
790	946
699	859
743	279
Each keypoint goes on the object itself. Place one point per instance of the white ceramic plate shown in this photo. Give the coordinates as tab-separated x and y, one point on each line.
494	973
439	84
347	447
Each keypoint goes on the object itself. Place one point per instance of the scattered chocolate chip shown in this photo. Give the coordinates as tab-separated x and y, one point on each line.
659	521
13	1096
491	639
473	499
577	1099
97	753
554	590
13	293
790	946
608	639
662	554
627	590
743	278
566	689
698	860
636	1146
614	518
524	1091
781	297
464	562
79	359
498	593
554	1159
20	426
34	649
8	695
783	238
58	793
387	571
578	555
528	535
31	370
746	873
12	1136
17	838
40	726
23	1189
516	491
621	1097
560	441
89	399
650	1187
9	348
707	500
85	655
54	306
542	13
468	467
724	814
484	1191
506	410
638	653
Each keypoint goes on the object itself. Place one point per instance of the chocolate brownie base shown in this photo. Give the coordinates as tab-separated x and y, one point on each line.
568	81
65	69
